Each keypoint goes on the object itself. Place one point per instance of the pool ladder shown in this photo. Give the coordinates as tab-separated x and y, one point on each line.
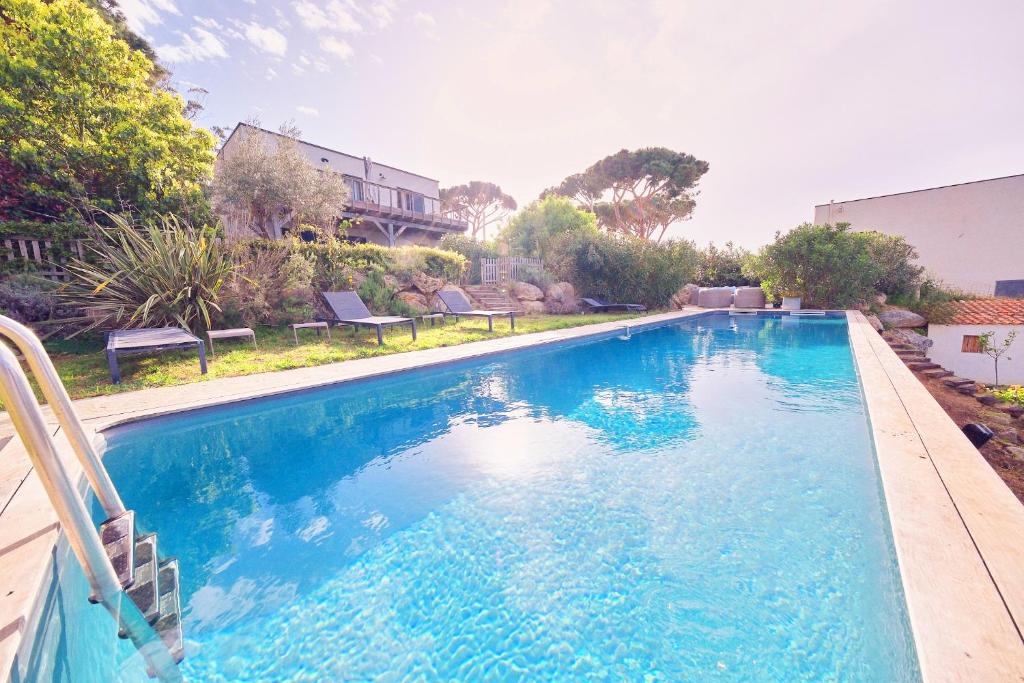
124	571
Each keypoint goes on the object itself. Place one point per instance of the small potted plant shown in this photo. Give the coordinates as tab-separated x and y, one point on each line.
791	300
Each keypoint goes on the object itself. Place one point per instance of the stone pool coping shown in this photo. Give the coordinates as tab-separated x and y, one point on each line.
957	529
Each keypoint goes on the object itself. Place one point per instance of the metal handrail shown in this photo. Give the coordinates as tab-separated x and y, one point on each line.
57	396
16	394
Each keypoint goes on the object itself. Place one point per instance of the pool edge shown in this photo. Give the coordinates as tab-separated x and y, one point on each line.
957	538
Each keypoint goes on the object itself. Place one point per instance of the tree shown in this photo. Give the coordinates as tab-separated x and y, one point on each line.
986	342
638	193
479	203
531	230
266	177
83	123
723	267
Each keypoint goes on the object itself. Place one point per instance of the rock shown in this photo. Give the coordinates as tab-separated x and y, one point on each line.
986	399
1009	436
687	296
561	298
524	291
897	317
1016	451
532	307
416	301
425	283
880	299
875	322
918	341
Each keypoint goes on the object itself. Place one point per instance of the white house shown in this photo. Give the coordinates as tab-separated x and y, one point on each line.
969	235
956	344
386	206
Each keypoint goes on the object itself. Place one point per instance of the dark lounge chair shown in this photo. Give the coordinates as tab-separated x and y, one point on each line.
602	306
349	309
150	340
457	305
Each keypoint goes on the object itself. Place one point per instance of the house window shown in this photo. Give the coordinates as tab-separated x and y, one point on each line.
355	190
417	203
971	344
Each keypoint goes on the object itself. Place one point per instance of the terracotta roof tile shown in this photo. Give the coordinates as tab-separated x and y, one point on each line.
989	312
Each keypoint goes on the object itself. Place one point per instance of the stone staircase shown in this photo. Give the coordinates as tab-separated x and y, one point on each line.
919	363
490	298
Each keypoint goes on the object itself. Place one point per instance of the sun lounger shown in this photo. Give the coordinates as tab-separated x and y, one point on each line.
150	340
458	305
349	309
602	306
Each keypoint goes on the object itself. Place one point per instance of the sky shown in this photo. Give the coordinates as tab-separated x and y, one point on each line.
792	103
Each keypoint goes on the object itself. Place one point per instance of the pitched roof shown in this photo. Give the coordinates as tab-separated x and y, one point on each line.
989	312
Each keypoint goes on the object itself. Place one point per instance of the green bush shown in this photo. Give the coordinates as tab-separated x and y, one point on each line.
380	297
271	285
832	267
472	251
539	277
932	299
724	267
623	268
29	299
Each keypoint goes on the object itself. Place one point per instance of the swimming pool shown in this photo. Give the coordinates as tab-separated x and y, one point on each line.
696	500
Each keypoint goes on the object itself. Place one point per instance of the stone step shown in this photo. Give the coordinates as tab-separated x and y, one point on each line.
987	399
922	365
955	382
937	373
968	389
911	356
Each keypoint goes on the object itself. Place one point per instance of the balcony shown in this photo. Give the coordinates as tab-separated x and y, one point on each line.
394	204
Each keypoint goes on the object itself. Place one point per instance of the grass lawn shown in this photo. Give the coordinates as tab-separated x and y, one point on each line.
82	362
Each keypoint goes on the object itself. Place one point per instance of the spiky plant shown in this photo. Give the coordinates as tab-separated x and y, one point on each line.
159	273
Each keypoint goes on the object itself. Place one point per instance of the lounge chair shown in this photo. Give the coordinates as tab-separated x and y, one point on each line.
458	305
602	306
150	340
349	309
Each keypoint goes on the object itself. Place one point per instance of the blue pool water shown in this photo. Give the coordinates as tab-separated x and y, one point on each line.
699	501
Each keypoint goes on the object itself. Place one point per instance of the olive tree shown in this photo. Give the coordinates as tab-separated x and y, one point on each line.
265	177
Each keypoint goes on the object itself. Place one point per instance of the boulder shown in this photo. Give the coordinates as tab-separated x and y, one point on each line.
1016	451
900	318
524	291
561	298
687	296
880	299
415	300
425	283
1009	436
918	341
532	307
877	324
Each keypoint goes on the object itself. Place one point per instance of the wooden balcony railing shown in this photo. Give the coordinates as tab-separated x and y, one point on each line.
390	202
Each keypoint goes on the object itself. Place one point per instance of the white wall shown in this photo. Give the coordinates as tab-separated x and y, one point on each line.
977	366
968	235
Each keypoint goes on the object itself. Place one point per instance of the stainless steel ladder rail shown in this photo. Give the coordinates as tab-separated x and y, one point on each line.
20	401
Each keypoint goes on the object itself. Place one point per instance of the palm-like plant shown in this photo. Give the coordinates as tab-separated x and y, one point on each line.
160	273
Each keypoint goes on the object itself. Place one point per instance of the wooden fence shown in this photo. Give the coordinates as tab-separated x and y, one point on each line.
506	268
39	256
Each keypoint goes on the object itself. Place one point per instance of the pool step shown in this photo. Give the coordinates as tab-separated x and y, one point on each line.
146	589
118	537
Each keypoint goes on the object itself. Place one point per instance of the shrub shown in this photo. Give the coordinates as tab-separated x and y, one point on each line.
827	265
160	273
380	297
894	257
29	299
440	263
724	267
472	250
539	277
1011	394
932	299
271	285
623	268
530	231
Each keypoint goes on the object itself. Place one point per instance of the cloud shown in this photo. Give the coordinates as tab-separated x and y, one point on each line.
196	46
141	13
266	38
271	73
309	111
382	12
425	20
335	16
336	47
